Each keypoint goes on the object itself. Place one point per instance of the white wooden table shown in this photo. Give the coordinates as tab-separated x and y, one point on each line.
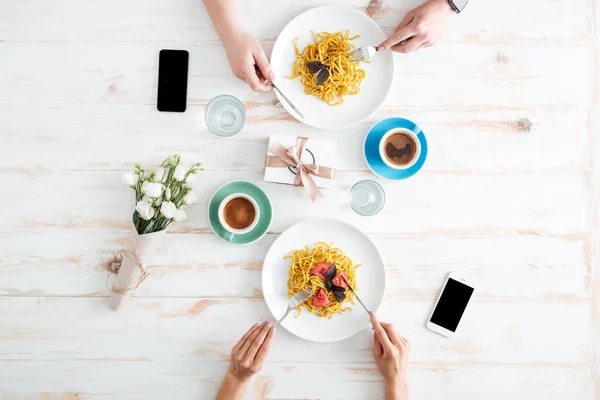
510	195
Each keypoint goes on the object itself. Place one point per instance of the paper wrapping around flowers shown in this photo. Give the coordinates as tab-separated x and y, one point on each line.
323	151
145	251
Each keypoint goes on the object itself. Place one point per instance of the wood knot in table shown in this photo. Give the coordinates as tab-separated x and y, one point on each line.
502	58
115	85
375	9
504	67
522	125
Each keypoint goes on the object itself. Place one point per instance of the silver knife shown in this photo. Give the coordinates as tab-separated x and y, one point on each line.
287	100
356	294
279	91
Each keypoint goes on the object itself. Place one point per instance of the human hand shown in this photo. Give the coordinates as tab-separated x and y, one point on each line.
244	53
248	355
391	352
422	27
247	358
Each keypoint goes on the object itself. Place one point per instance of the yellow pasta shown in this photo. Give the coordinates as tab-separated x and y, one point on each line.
300	277
330	49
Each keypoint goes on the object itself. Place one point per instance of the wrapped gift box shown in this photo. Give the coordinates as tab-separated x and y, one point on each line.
317	151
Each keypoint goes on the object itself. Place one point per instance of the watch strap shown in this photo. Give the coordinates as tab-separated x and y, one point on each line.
458	5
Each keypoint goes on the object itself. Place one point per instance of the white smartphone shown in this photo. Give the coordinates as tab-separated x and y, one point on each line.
451	305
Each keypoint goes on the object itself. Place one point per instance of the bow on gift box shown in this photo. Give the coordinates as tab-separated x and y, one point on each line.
292	157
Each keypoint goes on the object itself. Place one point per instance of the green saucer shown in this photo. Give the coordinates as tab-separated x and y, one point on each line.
264	204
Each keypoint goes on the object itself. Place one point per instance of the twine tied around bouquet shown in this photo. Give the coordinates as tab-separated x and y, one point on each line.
113	266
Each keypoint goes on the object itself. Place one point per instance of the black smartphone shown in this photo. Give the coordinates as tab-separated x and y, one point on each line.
451	305
172	80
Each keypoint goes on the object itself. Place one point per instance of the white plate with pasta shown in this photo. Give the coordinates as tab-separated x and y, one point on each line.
326	34
295	261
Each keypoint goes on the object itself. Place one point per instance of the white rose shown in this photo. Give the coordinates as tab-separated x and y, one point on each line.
168	209
158	202
159	175
190	198
191	178
179	173
130	179
152	190
180	215
144	209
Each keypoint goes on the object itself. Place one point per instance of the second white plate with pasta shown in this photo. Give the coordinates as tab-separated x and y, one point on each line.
373	79
309	250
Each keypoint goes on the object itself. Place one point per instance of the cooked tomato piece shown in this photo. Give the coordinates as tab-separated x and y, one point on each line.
320	269
339	281
320	299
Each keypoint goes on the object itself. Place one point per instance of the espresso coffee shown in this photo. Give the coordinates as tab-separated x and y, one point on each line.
400	148
239	213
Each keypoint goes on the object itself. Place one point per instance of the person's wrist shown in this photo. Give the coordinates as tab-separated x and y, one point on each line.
396	385
230	34
236	379
394	380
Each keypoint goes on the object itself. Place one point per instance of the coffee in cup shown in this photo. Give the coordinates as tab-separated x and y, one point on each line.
400	148
239	213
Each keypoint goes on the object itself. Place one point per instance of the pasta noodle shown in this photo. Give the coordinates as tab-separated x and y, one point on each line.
301	278
330	49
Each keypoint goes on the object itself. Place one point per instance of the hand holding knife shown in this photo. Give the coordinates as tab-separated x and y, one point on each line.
374	320
287	100
260	75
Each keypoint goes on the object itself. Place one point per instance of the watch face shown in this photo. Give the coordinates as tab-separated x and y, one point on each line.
460	4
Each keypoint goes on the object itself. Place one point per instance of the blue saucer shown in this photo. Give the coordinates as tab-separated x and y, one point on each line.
371	149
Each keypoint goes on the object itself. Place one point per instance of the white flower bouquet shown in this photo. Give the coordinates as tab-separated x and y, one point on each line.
161	198
161	195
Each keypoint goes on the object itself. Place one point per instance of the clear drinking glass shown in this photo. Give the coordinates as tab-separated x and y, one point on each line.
366	197
225	115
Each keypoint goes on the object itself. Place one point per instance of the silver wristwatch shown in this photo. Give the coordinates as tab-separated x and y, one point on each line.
458	5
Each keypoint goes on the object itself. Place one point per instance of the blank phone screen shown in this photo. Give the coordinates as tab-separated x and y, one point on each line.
452	304
172	80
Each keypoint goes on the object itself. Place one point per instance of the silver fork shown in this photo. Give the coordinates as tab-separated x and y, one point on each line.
365	52
362	53
295	301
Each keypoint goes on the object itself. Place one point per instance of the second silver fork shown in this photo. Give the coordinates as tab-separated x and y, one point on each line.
362	53
295	301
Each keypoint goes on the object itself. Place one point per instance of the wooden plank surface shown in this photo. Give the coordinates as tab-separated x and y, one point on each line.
497	332
178	379
160	21
496	74
510	195
525	140
593	245
528	267
170	340
552	204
